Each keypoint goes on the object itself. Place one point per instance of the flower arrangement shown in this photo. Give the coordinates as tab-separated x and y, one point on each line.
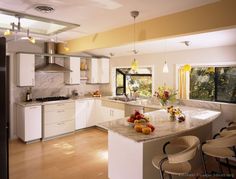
175	111
165	94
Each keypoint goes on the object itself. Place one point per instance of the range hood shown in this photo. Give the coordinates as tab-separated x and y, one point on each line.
51	66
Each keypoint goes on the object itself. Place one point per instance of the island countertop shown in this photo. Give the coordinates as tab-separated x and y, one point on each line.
195	117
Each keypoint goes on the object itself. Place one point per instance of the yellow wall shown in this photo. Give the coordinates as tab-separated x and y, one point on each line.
210	17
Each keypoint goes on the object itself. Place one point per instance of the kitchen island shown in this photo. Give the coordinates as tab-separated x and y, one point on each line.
130	153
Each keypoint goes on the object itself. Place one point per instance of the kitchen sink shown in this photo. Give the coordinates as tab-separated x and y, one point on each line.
124	99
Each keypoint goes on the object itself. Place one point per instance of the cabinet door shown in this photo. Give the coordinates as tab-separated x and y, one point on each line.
92	116
25	69
117	114
33	123
93	70
104	70
73	64
81	116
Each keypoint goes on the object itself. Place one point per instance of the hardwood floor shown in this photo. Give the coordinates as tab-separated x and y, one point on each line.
79	156
82	155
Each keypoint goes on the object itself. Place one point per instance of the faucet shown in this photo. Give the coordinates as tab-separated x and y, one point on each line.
126	97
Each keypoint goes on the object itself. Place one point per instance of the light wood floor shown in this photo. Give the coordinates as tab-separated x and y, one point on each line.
82	155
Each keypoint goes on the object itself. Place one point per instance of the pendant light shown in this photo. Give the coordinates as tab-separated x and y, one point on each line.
16	27
165	67
29	38
134	65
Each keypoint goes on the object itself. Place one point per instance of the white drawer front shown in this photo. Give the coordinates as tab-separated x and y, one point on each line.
59	116
59	128
59	106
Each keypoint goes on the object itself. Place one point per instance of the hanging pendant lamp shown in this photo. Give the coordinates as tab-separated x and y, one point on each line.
165	68
134	64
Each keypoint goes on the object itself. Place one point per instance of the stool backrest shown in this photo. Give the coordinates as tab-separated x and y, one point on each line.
226	141
191	143
227	132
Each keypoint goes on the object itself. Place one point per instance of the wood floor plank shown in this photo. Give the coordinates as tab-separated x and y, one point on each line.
82	155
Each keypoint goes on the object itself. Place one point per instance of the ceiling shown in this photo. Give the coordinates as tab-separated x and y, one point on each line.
203	40
101	15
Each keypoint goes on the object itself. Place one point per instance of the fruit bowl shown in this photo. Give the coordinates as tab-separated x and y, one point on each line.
140	123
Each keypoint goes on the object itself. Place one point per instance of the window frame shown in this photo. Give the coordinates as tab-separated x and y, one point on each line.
216	64
113	75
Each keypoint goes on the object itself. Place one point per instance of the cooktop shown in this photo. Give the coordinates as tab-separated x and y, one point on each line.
52	98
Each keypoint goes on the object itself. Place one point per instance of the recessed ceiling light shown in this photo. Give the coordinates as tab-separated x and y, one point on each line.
44	8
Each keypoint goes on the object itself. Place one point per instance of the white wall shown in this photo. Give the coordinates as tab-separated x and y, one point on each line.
218	55
201	56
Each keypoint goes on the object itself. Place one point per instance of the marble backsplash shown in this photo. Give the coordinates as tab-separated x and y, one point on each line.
52	84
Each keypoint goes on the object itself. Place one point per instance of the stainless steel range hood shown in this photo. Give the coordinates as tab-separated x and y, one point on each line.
51	66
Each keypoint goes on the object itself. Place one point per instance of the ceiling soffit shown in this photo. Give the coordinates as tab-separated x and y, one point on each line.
219	15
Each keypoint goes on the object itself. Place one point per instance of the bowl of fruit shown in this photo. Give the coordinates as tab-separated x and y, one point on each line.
137	117
140	123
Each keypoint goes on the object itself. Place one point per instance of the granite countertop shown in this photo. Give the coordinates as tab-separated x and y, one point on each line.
139	102
195	117
37	103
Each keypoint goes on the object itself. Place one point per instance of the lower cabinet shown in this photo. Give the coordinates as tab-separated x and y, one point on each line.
90	112
29	123
85	117
58	119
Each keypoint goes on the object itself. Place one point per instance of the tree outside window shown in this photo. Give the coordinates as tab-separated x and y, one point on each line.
213	84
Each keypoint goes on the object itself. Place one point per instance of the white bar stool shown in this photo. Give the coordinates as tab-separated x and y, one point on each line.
177	163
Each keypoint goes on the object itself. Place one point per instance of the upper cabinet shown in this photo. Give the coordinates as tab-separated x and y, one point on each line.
98	70
25	67
72	78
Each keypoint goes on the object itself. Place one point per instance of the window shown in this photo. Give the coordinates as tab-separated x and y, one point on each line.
129	83
213	84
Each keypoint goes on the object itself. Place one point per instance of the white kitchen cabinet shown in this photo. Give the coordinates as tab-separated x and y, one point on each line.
25	67
112	114
81	116
29	122
98	70
111	111
58	119
104	64
88	113
72	78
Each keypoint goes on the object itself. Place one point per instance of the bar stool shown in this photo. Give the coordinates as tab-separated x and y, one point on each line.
177	163
221	148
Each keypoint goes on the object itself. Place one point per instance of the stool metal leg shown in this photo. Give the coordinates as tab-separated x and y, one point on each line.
161	174
203	162
227	161
220	167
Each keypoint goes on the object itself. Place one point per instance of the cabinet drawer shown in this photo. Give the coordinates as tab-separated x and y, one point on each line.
58	128
58	116
59	106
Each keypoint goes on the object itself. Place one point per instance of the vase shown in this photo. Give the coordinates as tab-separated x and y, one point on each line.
172	117
163	104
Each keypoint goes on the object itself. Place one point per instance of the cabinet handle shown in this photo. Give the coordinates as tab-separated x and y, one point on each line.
33	107
61	111
61	123
71	80
32	81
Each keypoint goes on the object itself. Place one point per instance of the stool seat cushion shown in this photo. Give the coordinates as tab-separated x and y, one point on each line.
172	168
213	151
